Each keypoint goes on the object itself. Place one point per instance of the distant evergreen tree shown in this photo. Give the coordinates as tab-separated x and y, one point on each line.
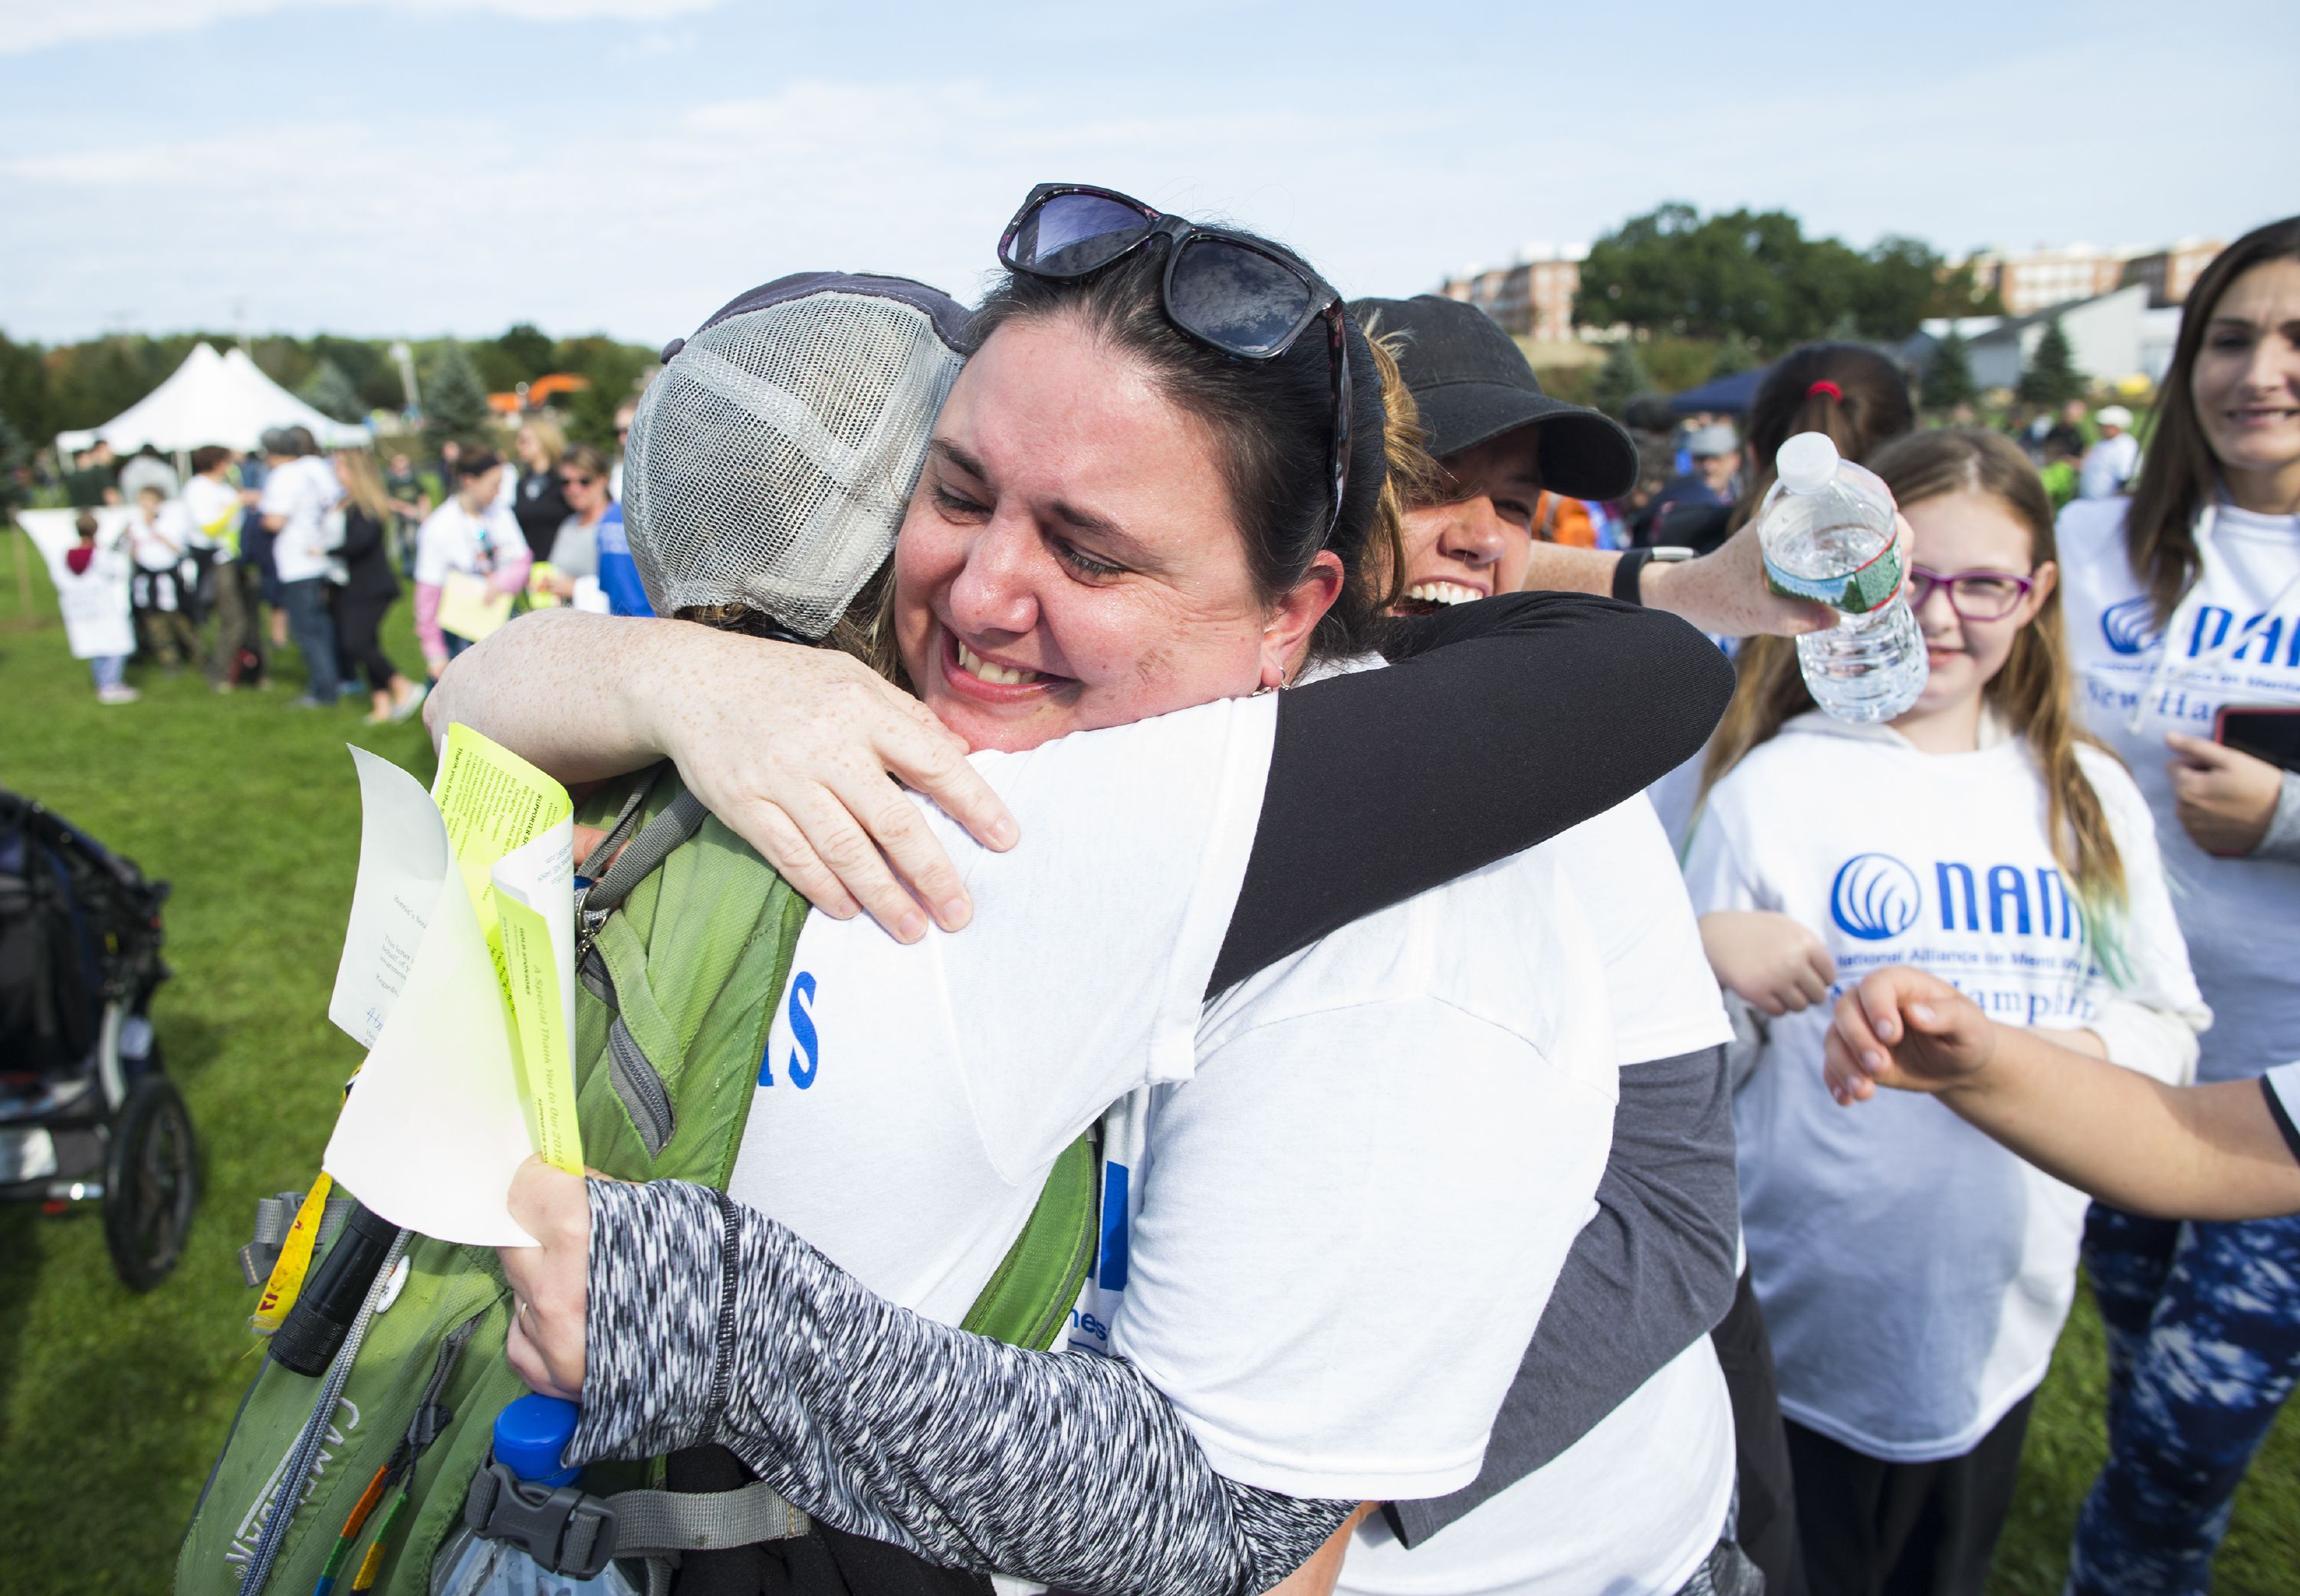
1732	355
330	392
1621	379
15	456
1948	380
2052	377
454	404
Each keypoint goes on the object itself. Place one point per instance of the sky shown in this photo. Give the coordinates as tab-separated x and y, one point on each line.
427	167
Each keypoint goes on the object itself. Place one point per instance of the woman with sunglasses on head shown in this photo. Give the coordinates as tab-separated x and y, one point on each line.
1983	839
2184	609
1077	556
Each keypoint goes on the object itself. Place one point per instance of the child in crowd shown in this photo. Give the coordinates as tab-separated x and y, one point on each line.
159	537
89	594
1914	1273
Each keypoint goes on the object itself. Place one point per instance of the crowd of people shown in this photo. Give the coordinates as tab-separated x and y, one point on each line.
287	544
1398	833
1797	1345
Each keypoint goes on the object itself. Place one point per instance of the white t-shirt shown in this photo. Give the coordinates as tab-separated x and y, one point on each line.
1665	996
963	1065
1914	1273
1393	1117
1636	1504
451	538
300	491
1632	1509
2236	640
2108	465
1363	1126
160	543
214	509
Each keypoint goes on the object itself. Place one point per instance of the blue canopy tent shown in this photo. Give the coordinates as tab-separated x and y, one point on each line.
1730	395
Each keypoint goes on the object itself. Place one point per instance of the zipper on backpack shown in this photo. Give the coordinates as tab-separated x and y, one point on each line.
643	1095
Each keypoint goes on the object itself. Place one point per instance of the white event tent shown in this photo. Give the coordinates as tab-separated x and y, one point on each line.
213	399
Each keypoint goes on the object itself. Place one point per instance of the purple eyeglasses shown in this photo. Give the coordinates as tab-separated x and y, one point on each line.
1973	594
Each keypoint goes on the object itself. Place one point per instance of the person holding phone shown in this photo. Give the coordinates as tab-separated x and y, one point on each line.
2183	604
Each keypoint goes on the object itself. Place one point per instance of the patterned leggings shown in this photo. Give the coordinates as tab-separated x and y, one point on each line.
2204	1346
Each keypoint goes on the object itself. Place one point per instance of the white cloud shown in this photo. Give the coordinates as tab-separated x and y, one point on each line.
29	25
644	213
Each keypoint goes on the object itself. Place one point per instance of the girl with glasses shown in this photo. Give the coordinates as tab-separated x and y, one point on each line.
1914	1273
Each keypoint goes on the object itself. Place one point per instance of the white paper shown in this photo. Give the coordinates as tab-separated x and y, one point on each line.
94	607
432	1132
403	860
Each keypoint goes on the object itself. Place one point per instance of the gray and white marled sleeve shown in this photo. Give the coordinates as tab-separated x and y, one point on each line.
710	1321
2282	841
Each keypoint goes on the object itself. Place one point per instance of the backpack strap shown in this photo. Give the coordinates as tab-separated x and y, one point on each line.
633	861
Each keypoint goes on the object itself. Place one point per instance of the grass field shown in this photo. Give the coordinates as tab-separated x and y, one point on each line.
111	1405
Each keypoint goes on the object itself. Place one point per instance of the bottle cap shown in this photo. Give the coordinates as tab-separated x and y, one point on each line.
1806	462
531	1436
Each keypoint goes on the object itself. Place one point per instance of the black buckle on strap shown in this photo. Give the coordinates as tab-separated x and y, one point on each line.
561	1527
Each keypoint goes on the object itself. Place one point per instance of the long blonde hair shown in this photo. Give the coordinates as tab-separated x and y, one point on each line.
2033	692
364	484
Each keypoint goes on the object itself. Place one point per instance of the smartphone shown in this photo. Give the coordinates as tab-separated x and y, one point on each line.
2264	732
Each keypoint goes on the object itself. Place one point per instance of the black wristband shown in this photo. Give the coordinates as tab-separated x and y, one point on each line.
1625	571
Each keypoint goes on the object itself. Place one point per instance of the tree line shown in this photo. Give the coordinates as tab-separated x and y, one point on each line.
46	389
1754	281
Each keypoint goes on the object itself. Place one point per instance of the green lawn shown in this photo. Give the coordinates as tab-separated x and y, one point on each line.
111	1405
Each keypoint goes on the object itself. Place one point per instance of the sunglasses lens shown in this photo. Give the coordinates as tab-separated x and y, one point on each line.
1072	234
1236	298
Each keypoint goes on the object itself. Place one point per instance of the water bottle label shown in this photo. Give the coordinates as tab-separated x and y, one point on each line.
1855	592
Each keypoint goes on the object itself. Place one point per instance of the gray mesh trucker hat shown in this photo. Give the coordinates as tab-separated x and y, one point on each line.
770	460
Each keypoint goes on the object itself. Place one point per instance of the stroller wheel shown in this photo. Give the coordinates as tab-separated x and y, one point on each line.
152	1182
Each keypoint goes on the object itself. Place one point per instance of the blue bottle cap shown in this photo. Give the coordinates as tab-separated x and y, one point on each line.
531	1436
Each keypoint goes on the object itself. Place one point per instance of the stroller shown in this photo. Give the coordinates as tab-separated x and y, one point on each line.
86	1113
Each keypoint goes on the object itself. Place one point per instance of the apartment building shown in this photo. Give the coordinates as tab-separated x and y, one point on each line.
1532	297
2044	278
2167	274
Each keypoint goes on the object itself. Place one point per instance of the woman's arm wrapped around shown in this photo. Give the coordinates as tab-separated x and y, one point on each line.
707	1321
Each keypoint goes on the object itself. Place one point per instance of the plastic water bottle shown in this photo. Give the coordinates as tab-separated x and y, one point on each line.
1828	532
530	1439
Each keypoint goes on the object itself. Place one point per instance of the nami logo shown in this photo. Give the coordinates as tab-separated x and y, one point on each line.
1874	897
2130	628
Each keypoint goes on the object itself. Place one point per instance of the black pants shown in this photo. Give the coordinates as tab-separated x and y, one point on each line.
357	620
1873	1528
1768	1524
823	1562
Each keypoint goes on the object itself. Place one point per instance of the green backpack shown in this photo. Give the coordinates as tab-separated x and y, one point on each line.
684	948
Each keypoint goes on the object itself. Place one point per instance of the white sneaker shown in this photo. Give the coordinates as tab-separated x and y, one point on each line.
123	694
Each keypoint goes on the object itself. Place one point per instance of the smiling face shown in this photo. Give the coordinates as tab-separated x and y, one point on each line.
1971	535
2245	385
1070	558
1479	542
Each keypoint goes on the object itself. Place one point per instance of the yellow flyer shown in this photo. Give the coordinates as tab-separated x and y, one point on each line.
470	608
458	976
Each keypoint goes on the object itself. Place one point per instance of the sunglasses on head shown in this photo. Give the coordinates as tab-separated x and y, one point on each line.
1230	292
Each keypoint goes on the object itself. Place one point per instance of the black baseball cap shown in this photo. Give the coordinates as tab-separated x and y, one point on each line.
1471	383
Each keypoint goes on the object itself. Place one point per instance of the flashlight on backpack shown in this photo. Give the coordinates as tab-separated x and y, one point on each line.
313	1331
